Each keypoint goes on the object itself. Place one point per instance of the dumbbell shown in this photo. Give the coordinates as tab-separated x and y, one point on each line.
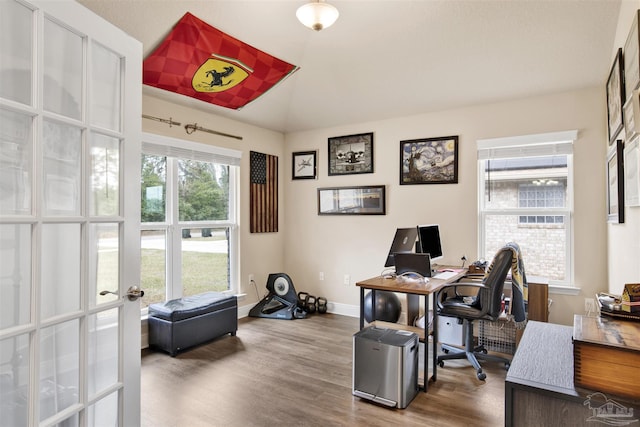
322	305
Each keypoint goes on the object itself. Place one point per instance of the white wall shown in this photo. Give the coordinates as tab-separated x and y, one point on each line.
624	239
358	245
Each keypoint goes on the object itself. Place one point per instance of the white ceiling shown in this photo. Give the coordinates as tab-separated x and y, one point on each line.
392	58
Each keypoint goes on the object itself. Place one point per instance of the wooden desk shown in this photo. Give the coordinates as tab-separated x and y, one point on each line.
414	290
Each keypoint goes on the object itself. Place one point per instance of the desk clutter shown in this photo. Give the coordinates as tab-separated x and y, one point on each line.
625	306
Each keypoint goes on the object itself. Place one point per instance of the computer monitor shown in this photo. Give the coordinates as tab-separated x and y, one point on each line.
403	241
429	241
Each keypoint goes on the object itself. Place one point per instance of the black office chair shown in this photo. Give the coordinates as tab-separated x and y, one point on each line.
485	305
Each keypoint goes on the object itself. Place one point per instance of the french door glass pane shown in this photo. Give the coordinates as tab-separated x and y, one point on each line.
60	269
104	412
14	383
15	283
62	154
59	367
105	178
16	147
203	191
543	245
105	87
154	188
63	66
205	260
104	263
16	52
103	351
153	259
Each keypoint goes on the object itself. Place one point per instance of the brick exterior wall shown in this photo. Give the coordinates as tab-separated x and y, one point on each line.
548	257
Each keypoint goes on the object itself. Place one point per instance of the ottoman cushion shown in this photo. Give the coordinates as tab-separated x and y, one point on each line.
191	306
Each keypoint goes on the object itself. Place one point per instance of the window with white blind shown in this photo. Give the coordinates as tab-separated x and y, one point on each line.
188	230
525	188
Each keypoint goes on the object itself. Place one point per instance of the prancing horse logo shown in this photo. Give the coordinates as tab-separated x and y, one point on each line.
217	75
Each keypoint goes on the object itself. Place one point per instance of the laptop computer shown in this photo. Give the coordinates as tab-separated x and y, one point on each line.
413	263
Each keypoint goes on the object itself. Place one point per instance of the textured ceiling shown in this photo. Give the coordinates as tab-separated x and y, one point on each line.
392	58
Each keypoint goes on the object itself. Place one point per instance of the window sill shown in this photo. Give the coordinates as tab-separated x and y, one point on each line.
564	290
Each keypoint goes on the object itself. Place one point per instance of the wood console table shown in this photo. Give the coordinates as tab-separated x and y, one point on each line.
539	388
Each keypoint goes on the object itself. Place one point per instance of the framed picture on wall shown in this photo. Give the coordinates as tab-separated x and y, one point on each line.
304	165
351	154
429	161
615	98
632	58
631	115
632	173
615	183
362	200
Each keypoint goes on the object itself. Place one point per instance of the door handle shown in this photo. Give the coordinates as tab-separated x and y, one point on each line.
133	293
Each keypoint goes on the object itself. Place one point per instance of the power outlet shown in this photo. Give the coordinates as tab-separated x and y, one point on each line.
250	279
589	305
347	280
321	276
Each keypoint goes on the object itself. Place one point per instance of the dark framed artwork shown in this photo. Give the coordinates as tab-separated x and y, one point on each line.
632	173
429	161
304	165
351	154
632	58
615	98
615	183
362	200
631	115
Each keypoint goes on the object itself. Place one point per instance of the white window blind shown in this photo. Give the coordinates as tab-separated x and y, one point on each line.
543	144
164	146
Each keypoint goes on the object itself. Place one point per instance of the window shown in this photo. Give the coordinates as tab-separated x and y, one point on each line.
541	194
525	187
188	219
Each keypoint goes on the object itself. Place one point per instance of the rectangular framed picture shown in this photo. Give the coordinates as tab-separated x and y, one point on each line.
429	161
304	165
632	58
631	173
615	98
362	200
631	114
351	154
615	183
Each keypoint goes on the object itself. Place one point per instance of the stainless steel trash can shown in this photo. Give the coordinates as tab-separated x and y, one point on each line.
385	366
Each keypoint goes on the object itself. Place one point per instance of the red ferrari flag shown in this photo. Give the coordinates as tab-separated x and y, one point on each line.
200	61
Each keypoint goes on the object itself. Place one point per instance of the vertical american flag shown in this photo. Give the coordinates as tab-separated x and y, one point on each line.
264	193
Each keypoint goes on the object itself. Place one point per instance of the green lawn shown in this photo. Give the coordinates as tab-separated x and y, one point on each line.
201	272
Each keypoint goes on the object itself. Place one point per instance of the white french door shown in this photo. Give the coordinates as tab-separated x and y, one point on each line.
70	111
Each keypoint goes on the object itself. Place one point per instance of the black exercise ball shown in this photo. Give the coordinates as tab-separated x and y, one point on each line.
388	307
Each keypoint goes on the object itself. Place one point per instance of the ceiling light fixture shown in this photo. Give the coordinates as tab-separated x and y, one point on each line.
317	15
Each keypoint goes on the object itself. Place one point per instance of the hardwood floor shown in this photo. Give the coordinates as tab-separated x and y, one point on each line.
298	372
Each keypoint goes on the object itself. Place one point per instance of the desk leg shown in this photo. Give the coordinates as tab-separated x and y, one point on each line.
425	361
361	308
434	337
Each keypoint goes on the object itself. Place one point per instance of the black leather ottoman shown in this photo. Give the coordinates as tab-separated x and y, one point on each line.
186	322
